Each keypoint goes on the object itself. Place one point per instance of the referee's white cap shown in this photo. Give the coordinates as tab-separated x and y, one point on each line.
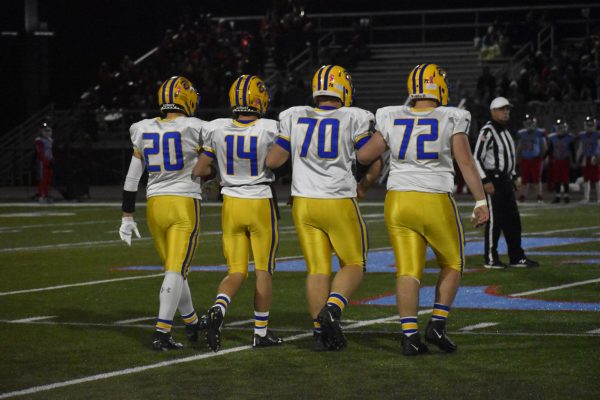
499	102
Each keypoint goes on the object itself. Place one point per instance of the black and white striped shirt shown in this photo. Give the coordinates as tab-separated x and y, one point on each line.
495	151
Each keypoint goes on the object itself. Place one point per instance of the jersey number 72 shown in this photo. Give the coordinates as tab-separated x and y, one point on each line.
432	136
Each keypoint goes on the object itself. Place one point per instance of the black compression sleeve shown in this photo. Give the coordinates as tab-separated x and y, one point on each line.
128	201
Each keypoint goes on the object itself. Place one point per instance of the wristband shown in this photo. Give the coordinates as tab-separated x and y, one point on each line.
128	204
480	203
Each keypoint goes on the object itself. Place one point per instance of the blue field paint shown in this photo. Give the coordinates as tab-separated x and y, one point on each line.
482	297
383	260
587	261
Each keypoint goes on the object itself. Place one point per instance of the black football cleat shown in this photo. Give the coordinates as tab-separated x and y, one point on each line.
332	334
435	333
162	341
525	263
412	345
192	331
267	341
319	341
496	264
213	328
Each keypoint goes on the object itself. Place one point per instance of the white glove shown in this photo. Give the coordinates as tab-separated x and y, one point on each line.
128	226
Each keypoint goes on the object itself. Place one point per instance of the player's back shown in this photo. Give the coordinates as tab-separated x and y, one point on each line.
420	142
322	142
240	150
169	148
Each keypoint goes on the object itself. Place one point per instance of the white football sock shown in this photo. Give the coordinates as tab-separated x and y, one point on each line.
170	292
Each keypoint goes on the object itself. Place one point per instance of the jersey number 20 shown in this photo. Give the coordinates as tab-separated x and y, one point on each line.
170	162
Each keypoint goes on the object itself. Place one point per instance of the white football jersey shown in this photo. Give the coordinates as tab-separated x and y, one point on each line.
420	144
322	146
240	150
169	149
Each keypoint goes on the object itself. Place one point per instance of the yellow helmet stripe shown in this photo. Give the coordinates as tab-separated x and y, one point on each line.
186	108
326	77
245	91
414	78
237	90
421	77
173	82
163	91
319	76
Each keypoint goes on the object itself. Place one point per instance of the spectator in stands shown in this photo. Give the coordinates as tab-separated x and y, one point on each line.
561	151
489	47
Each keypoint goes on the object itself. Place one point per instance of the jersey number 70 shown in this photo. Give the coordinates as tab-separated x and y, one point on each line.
326	125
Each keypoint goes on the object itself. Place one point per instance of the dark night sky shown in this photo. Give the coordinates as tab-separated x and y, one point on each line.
88	32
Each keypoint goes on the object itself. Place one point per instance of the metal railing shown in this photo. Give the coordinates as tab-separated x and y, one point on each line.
545	40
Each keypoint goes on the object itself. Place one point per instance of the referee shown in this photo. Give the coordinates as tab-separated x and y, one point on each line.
495	158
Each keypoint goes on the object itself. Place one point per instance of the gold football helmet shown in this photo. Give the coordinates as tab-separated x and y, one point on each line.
249	94
335	81
178	94
428	81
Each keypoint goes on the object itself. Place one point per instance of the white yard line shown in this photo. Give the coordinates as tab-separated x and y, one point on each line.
480	325
594	331
238	323
283	230
90	283
548	289
585	228
130	321
32	319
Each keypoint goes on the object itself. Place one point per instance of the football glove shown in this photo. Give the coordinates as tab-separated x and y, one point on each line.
128	226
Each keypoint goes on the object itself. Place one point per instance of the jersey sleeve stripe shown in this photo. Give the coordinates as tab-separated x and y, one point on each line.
284	143
209	152
361	141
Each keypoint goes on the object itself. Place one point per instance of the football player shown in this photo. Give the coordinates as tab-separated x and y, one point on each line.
561	151
589	150
419	207
321	142
168	148
531	148
249	221
45	162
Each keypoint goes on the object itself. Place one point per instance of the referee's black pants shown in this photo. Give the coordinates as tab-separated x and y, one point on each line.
505	218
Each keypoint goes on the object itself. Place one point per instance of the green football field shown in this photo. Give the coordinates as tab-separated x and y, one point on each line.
77	309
